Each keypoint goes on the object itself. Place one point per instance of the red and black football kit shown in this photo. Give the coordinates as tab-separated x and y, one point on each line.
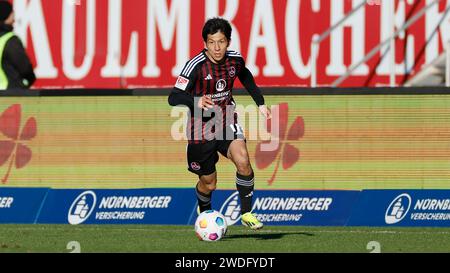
212	131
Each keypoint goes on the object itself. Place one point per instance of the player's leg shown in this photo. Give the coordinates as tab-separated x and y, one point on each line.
245	178
238	154
202	159
204	188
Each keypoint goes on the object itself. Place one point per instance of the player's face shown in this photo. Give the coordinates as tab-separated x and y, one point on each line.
216	45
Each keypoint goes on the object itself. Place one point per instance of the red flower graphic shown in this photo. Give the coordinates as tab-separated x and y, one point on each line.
285	151
13	148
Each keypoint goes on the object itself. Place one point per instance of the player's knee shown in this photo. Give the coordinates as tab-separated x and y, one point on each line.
209	184
242	161
211	187
241	158
244	167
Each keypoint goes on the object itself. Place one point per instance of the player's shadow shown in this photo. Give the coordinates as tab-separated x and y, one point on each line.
265	236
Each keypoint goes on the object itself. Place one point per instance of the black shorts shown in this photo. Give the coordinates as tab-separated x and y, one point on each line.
202	157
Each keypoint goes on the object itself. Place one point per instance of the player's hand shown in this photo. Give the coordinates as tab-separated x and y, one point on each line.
205	102
265	111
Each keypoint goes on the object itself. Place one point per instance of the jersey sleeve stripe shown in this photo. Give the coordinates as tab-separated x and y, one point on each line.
191	64
233	53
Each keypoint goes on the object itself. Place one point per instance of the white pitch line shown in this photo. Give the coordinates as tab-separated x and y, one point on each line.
267	230
347	231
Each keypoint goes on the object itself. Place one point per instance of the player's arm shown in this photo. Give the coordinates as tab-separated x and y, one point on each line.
181	92
180	96
248	81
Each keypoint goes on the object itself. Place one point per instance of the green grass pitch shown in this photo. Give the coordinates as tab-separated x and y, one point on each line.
181	239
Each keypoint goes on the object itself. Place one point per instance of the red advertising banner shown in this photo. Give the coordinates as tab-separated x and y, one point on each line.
145	43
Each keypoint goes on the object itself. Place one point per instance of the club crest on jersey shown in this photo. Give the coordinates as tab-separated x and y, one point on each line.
221	85
232	71
182	83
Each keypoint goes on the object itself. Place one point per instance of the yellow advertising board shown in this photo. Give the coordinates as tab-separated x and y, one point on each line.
323	142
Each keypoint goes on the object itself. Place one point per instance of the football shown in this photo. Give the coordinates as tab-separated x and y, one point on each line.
210	226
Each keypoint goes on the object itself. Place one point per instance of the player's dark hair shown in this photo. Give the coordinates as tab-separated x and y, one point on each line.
214	25
5	10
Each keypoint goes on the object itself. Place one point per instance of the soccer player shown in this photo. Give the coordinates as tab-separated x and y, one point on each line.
205	86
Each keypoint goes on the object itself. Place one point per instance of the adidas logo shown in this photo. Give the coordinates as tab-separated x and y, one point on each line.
250	194
208	77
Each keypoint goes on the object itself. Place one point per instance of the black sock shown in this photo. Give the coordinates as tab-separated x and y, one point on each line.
204	200
245	185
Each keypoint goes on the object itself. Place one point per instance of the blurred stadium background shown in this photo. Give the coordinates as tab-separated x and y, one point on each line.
361	87
86	139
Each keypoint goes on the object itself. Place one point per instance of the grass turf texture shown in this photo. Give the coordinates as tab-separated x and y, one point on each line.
181	239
